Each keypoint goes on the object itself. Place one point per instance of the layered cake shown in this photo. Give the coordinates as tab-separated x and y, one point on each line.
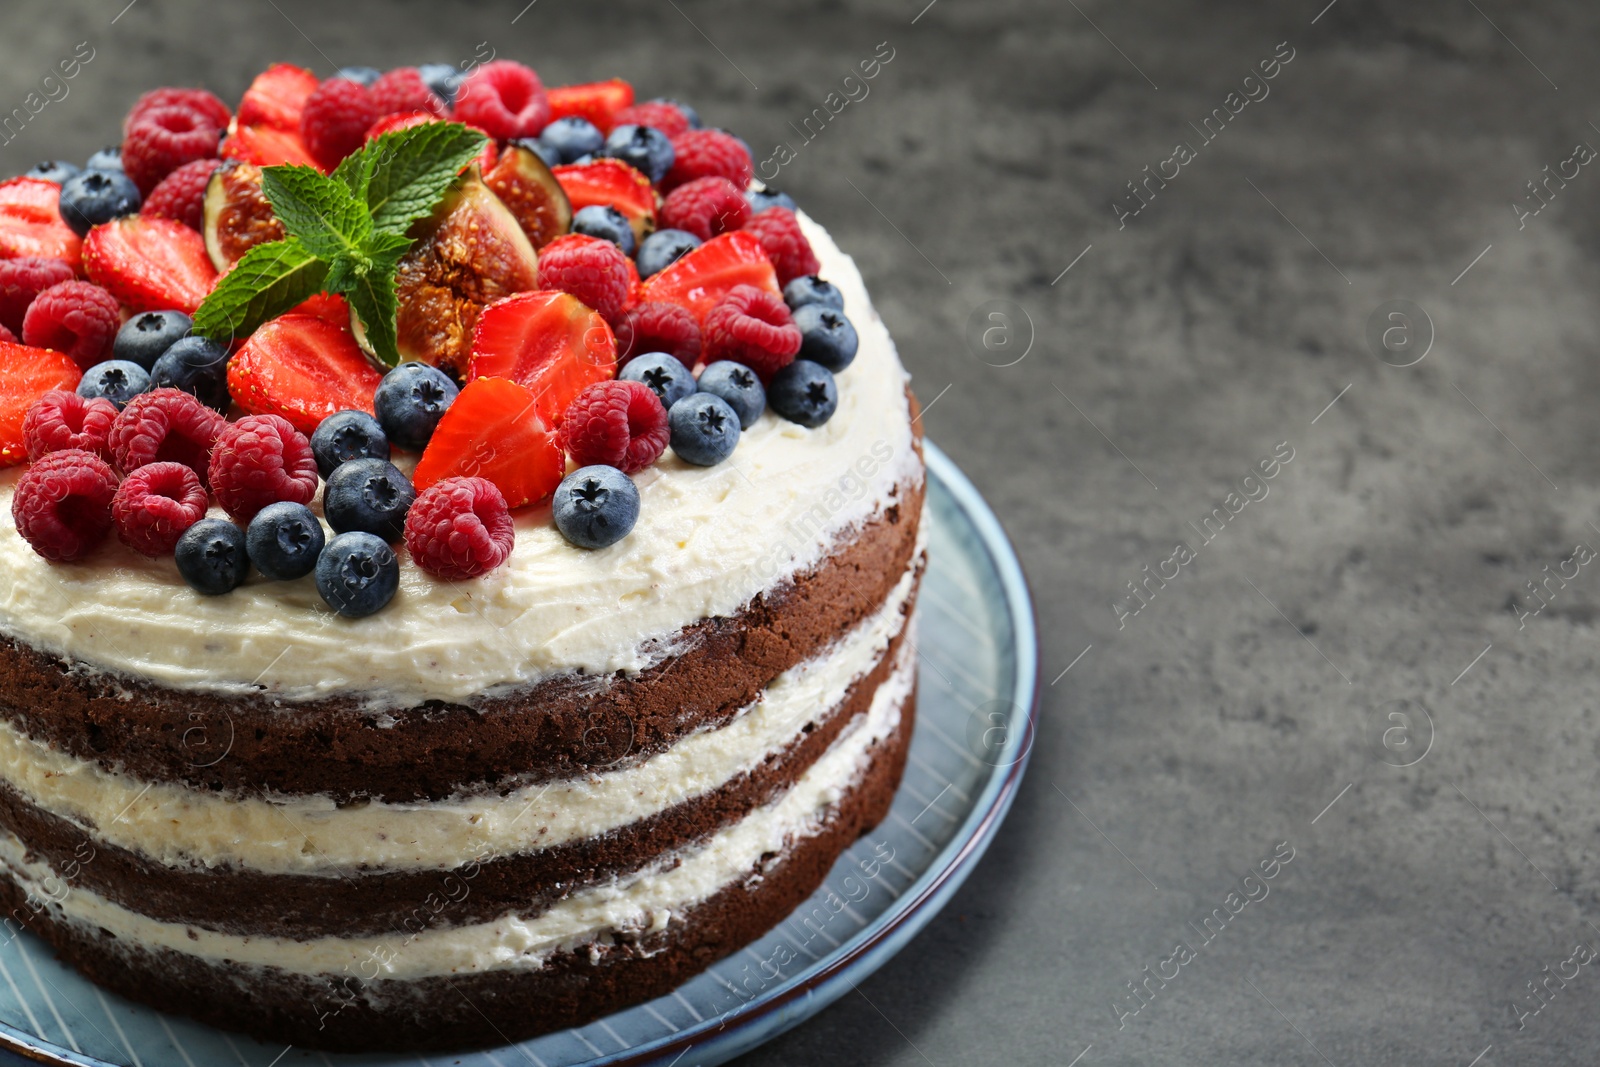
438	668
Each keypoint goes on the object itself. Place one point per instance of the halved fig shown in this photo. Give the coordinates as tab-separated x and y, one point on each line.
613	183
237	214
525	185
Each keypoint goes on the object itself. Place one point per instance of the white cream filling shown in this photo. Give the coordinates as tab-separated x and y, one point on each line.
708	539
646	901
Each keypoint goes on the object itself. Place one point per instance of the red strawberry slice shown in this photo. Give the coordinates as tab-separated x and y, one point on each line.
596	101
150	264
390	123
493	430
546	341
330	307
26	374
303	368
30	222
277	96
267	147
613	183
700	280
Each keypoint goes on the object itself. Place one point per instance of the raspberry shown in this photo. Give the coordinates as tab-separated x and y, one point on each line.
7	336
402	91
460	528
656	326
165	424
164	139
593	270
779	233
664	117
23	279
205	104
62	504
78	318
505	98
753	327
620	423
706	154
261	460
706	207
60	420
155	504
336	119
181	195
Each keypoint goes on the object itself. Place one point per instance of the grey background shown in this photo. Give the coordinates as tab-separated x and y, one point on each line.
1219	322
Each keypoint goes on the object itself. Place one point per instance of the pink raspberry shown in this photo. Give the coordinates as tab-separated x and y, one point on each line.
164	139
505	98
165	424
620	423
593	270
335	120
23	279
402	91
778	230
706	154
460	528
657	326
752	326
706	207
181	195
60	420
77	318
663	116
155	504
261	460
205	104
62	504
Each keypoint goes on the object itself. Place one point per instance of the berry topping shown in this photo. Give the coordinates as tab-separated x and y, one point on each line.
155	505
144	338
37	212
657	113
652	326
202	103
164	139
709	153
108	158
357	574
611	183
644	148
494	431
365	75
779	233
62	504
23	279
267	146
593	270
706	207
442	78
199	367
804	392
284	541
596	506
810	289
277	97
370	495
181	195
335	120
572	138
116	380
212	557
26	374
165	424
738	386
459	529
548	342
621	424
598	102
261	460
60	420
826	336
77	318
7	336
347	435
704	429
684	109
752	326
53	170
703	277
662	374
505	98
762	199
150	264
410	401
303	368
607	224
664	248
402	91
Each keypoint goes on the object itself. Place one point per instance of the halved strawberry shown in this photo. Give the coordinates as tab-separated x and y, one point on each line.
30	222
276	98
547	341
699	280
150	264
614	183
327	306
303	368
595	101
26	374
493	430
267	147
406	120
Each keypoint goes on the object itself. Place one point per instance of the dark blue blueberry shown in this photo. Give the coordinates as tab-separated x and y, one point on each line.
52	170
109	158
810	289
761	199
738	386
688	112
370	495
826	336
572	137
804	392
146	337
596	506
644	148
212	558
664	247
347	435
197	365
357	574
360	75
97	196
607	223
442	78
551	157
704	429
284	541
665	374
410	401
118	380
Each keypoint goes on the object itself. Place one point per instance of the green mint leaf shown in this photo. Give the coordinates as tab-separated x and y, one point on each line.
269	280
322	212
372	295
407	171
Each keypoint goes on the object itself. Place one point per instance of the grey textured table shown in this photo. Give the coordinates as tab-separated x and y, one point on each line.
1369	611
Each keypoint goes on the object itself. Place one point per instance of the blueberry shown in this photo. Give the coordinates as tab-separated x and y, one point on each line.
644	148
347	435
411	400
211	557
442	78
738	386
360	75
596	506
704	429
97	196
826	336
357	574
688	112
551	157
109	158
370	495
810	289
118	380
663	248
145	338
572	137
667	377
197	365
761	199
284	541
606	223
52	170
804	392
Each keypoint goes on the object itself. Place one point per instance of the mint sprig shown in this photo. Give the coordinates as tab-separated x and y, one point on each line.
347	233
